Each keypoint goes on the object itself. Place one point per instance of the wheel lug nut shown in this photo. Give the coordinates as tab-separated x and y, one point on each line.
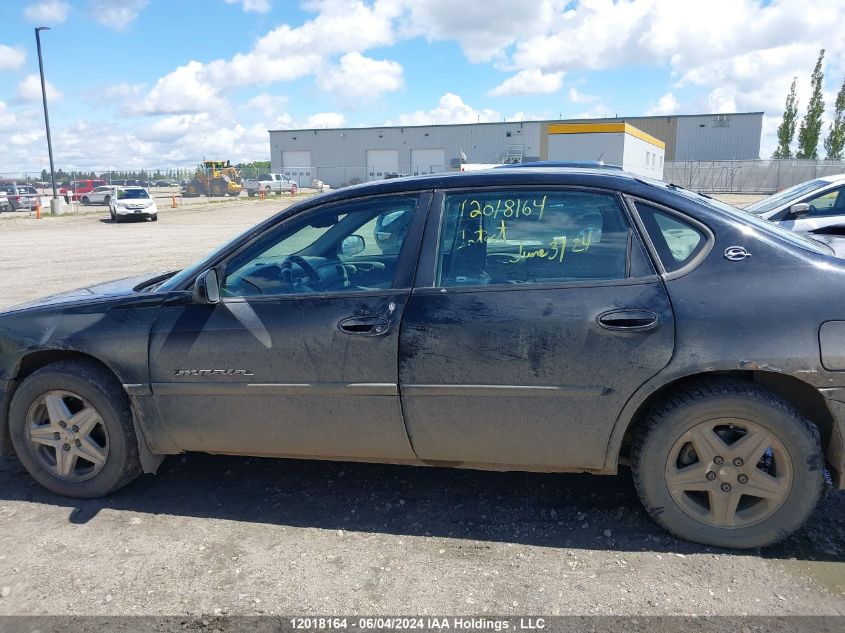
62	425
75	429
726	487
710	475
718	460
742	479
737	461
66	447
56	436
77	443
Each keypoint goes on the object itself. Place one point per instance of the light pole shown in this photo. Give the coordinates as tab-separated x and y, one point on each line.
54	203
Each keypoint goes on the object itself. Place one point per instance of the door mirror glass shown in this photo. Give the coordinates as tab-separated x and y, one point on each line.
352	245
797	210
207	288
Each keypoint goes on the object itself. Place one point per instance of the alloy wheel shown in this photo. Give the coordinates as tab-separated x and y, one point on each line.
68	436
729	473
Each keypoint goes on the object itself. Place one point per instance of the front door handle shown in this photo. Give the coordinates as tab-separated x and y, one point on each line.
365	326
629	320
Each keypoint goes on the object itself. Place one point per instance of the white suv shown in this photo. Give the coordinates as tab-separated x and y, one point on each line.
132	202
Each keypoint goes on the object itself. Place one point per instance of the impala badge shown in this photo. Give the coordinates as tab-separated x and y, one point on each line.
736	253
212	372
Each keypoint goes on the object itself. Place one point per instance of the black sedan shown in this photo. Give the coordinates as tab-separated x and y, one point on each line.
538	319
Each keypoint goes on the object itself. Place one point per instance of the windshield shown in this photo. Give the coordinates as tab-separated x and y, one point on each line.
748	218
782	197
132	194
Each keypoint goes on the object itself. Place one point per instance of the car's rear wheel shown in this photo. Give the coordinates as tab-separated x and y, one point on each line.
727	463
72	430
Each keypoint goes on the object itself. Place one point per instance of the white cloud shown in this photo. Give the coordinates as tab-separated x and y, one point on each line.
721	100
47	12
529	82
186	90
667	104
29	89
116	15
450	109
11	58
325	120
581	98
484	30
268	105
361	78
254	6
8	120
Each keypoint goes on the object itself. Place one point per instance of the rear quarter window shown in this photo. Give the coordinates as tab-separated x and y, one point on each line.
676	240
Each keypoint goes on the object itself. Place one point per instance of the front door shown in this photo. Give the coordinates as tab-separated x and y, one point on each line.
542	319
299	357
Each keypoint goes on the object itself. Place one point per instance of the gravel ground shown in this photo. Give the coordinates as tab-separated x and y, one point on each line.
225	535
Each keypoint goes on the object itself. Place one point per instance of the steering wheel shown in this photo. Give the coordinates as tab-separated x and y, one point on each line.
286	271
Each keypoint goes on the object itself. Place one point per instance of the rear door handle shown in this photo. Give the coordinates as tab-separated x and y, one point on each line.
629	320
365	326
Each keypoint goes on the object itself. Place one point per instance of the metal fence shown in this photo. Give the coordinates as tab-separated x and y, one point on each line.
747	176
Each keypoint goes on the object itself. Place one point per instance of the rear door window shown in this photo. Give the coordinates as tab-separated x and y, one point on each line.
531	237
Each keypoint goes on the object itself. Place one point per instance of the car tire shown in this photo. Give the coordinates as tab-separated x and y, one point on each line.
91	395
154	217
85	200
107	200
706	499
250	193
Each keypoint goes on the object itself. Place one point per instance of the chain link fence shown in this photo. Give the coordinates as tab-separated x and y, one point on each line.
747	176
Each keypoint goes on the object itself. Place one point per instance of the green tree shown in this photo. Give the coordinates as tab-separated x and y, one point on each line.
834	144
811	126
786	129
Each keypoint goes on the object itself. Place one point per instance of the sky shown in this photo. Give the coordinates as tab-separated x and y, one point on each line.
163	83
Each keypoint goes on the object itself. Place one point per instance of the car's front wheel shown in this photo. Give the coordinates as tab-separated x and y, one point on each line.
728	463
72	429
85	200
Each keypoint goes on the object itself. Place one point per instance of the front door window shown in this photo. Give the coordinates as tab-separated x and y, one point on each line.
334	249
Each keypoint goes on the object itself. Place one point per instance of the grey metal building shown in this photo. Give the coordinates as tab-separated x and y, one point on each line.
342	155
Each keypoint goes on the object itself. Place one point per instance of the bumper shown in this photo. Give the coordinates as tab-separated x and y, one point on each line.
136	213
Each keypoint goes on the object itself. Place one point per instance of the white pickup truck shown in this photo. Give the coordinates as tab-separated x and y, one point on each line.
268	183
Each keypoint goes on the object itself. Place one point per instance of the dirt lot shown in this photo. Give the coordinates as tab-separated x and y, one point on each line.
228	535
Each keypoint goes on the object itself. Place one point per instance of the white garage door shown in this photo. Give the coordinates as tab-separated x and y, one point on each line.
381	162
296	165
428	161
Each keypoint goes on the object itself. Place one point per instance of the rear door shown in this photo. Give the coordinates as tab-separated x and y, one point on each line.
535	316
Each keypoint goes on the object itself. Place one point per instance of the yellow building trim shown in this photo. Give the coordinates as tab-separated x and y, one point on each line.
602	128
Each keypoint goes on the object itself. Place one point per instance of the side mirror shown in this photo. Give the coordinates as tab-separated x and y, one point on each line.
207	288
799	209
352	245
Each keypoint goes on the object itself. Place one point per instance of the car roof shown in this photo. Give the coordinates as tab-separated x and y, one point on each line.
605	177
833	178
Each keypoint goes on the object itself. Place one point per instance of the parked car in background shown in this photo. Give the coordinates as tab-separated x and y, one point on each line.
552	320
77	188
815	206
165	183
5	205
268	183
132	203
21	196
100	195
